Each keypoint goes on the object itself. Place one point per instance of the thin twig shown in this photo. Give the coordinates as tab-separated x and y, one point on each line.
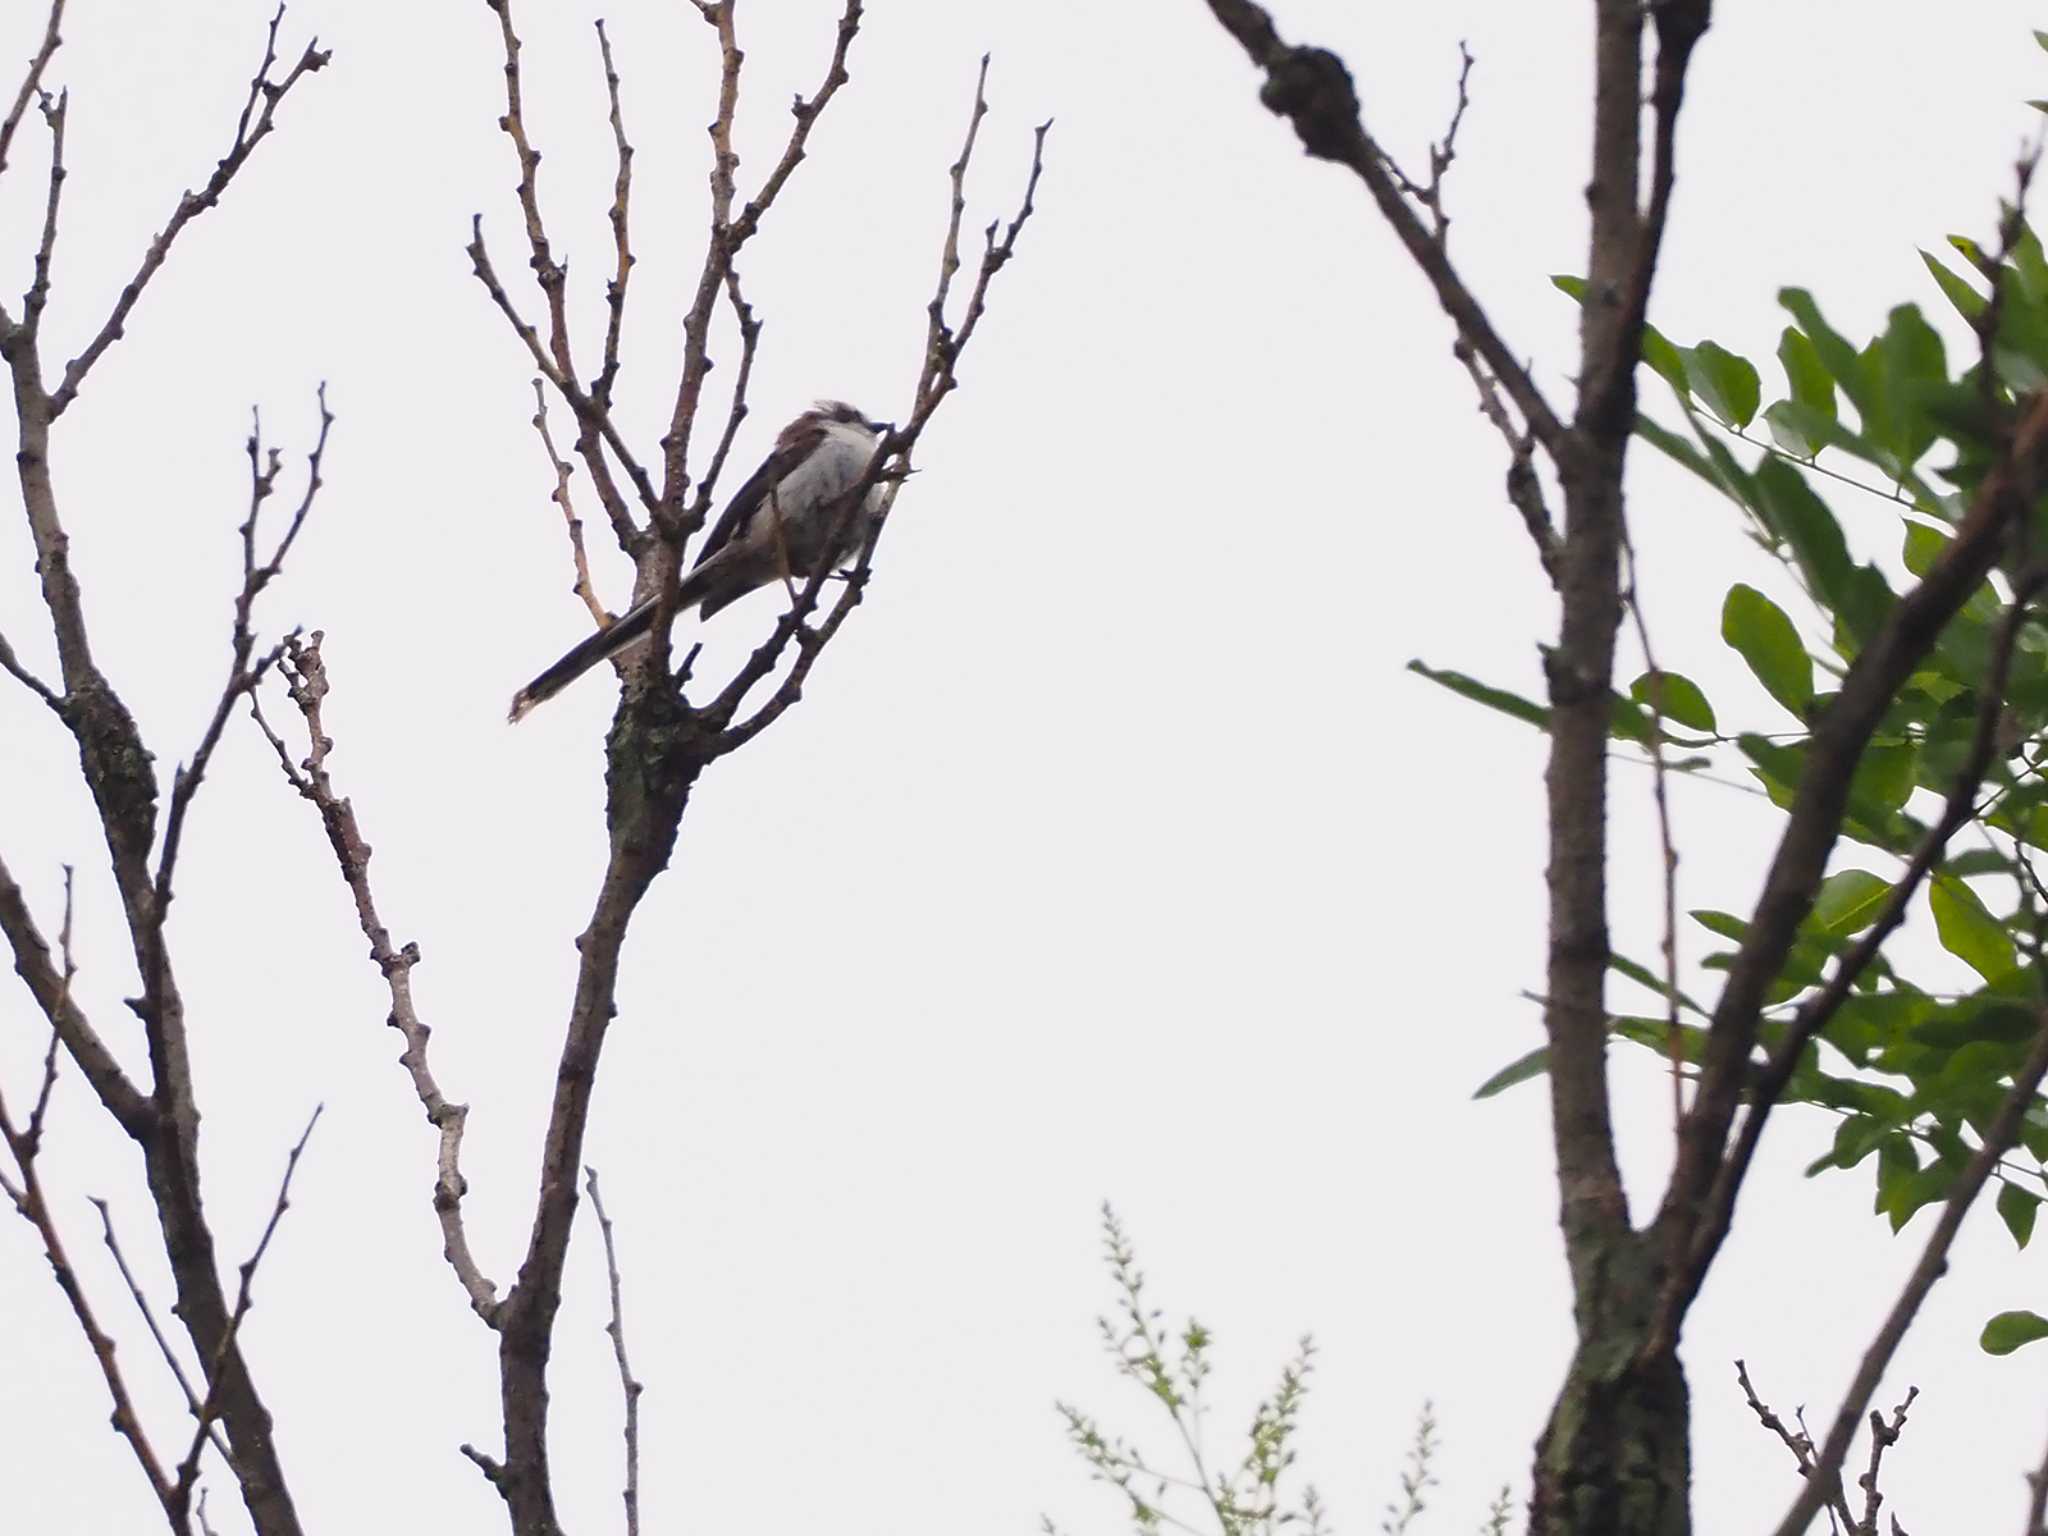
1311	88
577	556
891	461
188	1469
629	1388
163	1343
49	1078
1674	1038
32	81
244	675
622	192
1883	1436
25	1192
307	676
1524	486
1430	194
28	679
38	295
252	129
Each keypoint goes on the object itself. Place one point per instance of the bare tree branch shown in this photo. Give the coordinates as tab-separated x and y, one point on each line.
48	985
31	81
629	1389
258	117
944	346
1312	89
307	676
245	670
163	1343
1800	1444
188	1469
1524	486
35	685
589	413
38	294
622	195
582	587
25	1192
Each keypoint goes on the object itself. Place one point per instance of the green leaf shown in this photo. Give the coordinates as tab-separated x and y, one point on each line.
1968	931
1799	517
1898	1167
1535	1064
1514	704
1725	924
2009	1330
1968	302
1830	346
2017	1209
1805	375
1668	442
1849	901
1883	781
1759	630
1727	383
1643	976
1675	697
1913	363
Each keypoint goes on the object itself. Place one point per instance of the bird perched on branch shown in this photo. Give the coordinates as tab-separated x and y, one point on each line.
776	527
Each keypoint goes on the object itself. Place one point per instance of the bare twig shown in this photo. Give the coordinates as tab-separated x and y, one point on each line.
622	193
578	557
1312	89
188	1469
629	1388
1883	1436
590	414
25	1192
28	679
1430	194
729	233
259	111
245	674
944	345
1998	1137
32	81
46	982
163	1343
1674	1040
38	293
1524	486
307	676
49	1078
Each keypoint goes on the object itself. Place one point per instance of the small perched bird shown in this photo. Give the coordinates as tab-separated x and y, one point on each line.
776	526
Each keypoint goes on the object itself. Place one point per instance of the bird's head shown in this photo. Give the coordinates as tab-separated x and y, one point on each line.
838	412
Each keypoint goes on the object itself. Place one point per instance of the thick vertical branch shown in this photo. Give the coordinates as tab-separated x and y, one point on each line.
118	771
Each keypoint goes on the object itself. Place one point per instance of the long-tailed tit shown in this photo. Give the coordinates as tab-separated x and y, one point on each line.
776	527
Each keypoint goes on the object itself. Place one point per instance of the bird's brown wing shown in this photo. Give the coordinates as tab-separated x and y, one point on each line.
791	449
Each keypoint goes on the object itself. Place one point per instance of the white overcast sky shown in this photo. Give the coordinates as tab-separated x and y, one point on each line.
1112	853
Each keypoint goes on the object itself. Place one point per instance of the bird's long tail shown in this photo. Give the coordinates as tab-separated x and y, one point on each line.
581	657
